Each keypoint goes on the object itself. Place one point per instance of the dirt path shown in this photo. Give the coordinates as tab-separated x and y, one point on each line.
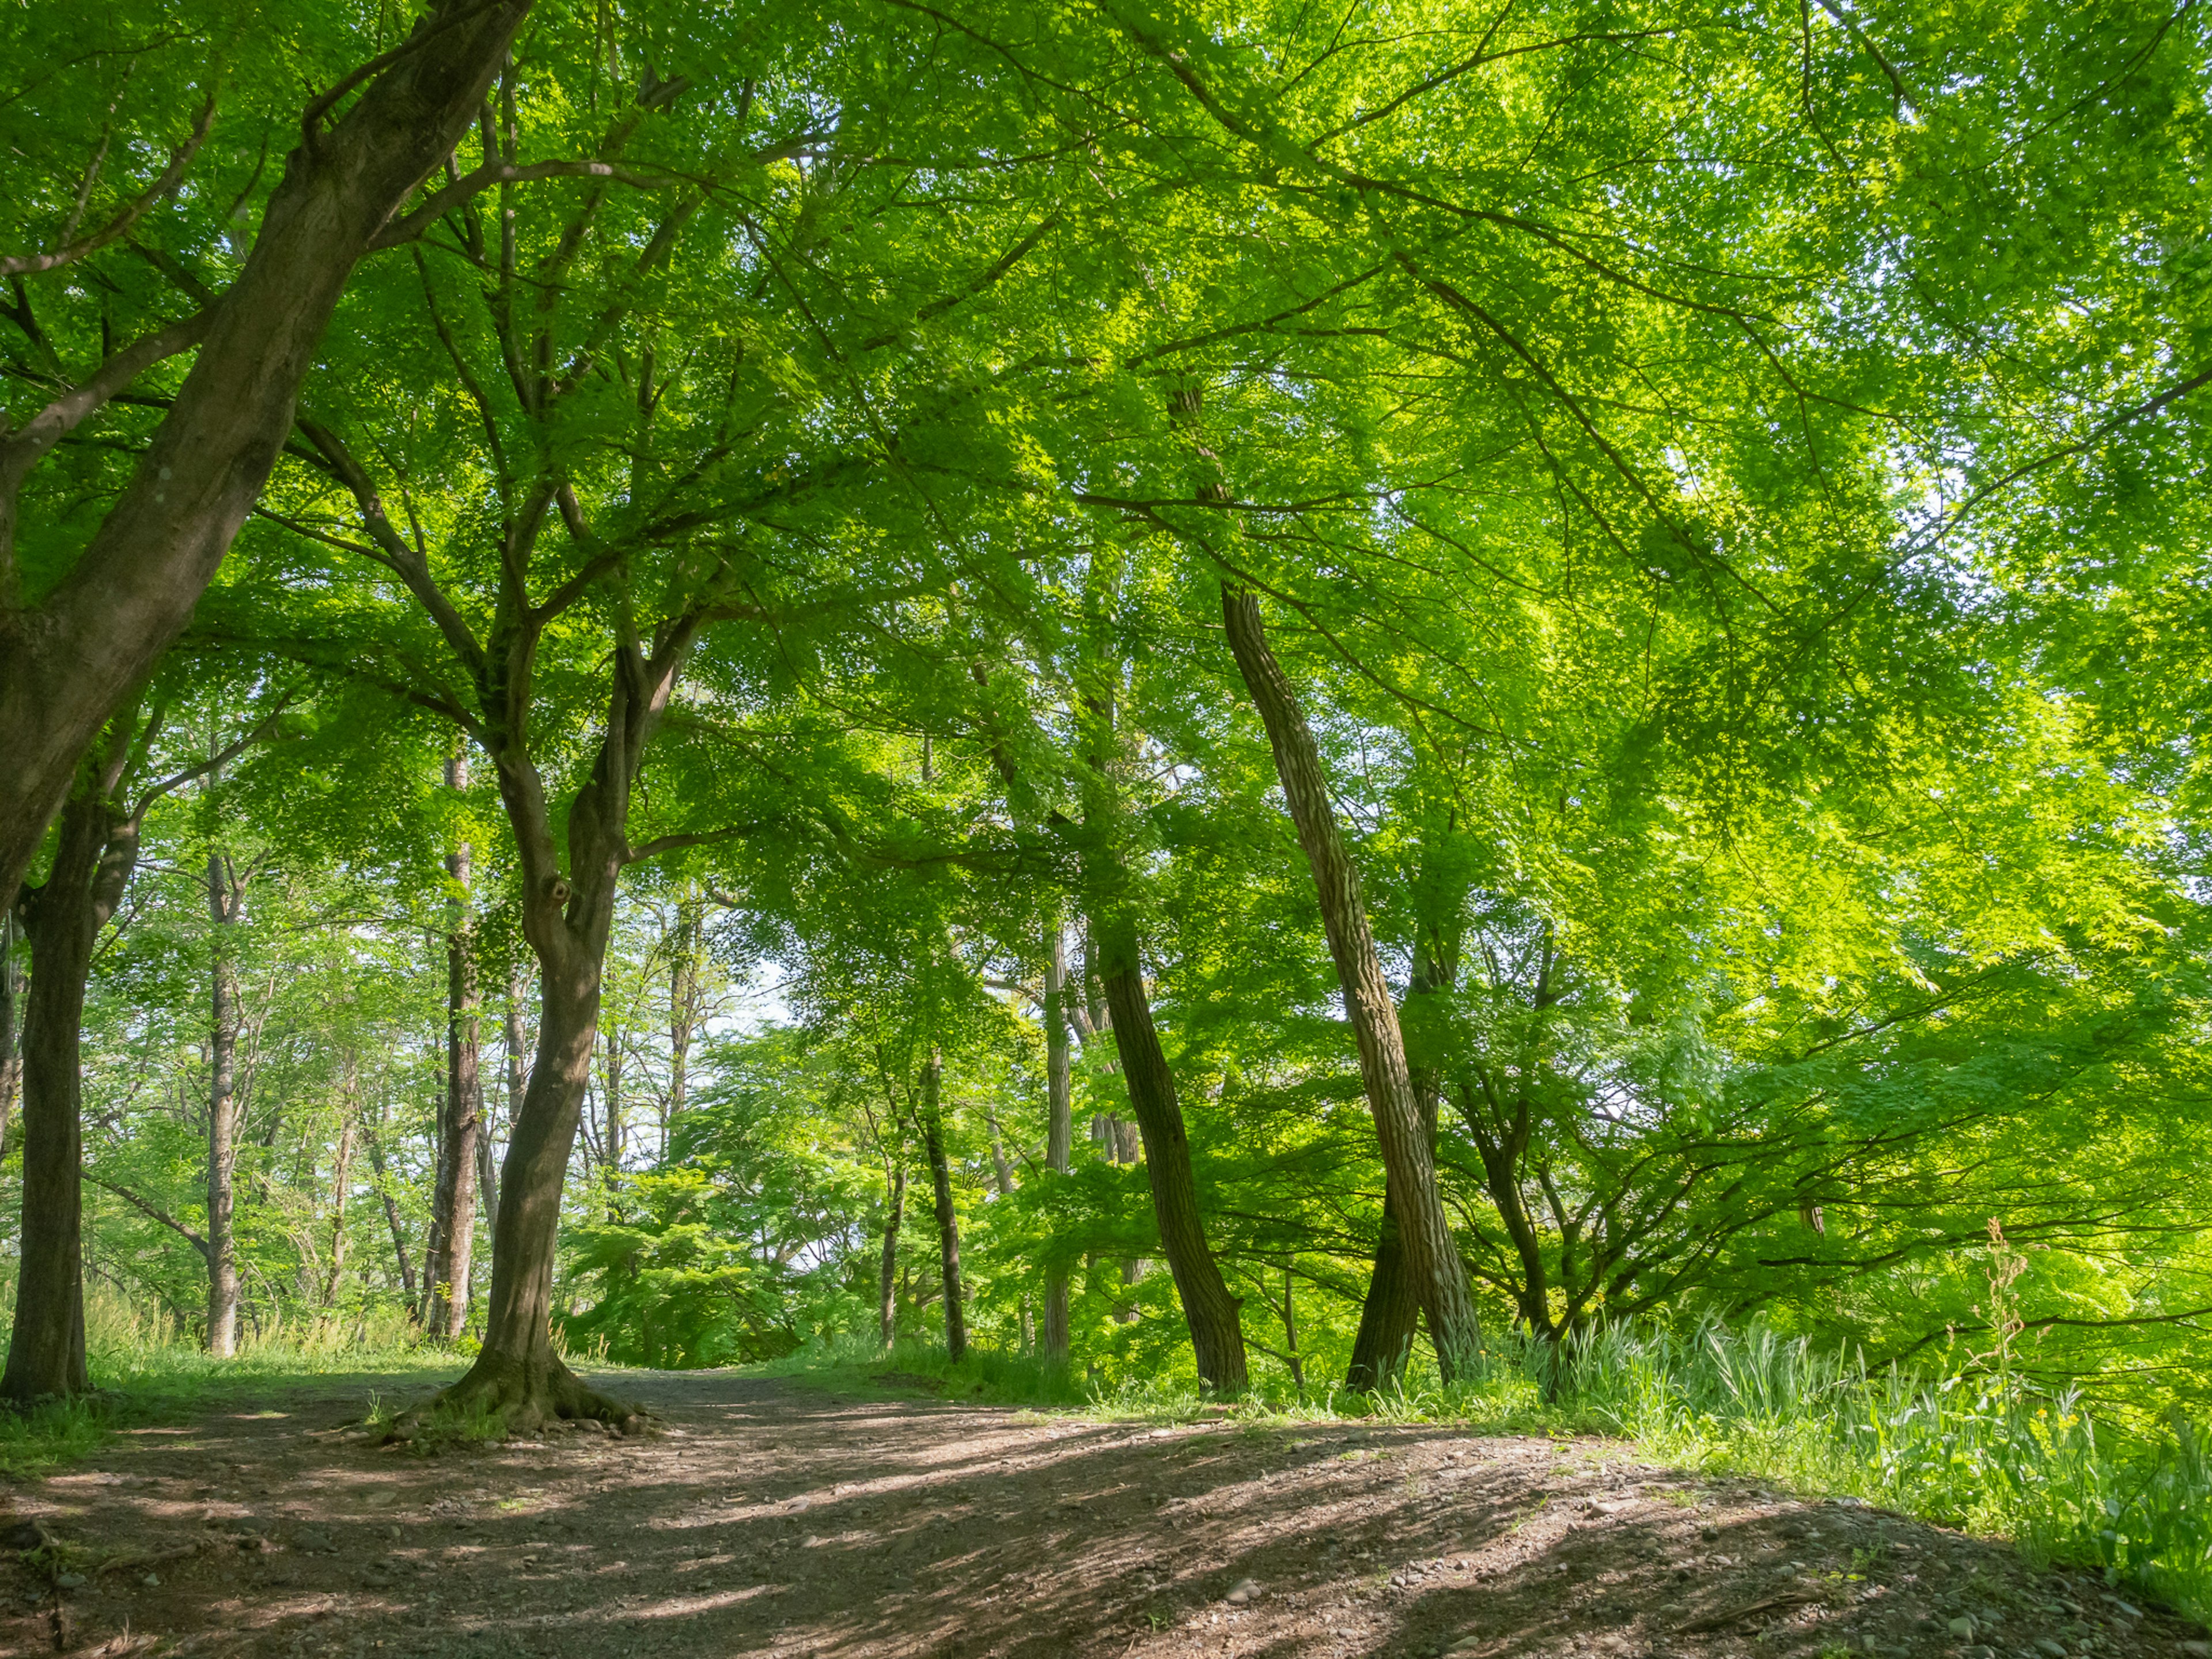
769	1519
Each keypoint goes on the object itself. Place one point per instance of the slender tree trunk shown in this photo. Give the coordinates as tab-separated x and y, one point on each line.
894	1218
948	1221
341	1183
611	1072
682	1004
454	1221
1060	1127
225	896
1217	1331
67	661
1391	1316
374	1145
11	1052
1290	1355
1425	1235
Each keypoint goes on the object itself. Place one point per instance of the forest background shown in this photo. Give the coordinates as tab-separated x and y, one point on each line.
1378	696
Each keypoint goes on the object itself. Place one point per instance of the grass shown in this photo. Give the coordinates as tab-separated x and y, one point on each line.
1968	1446
145	1373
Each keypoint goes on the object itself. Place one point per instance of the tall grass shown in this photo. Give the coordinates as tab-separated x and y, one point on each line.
144	1370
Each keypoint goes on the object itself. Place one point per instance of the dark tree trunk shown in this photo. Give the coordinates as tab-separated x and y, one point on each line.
1217	1331
453	1215
226	897
1432	1256
682	1004
67	661
11	1052
62	918
948	1220
1391	1316
894	1218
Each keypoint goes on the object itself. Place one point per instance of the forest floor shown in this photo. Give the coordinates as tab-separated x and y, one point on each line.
766	1517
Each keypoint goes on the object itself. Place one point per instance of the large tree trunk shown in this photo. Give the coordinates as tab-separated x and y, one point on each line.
1217	1330
516	1371
948	1220
1432	1256
453	1215
66	662
894	1218
1060	1127
225	898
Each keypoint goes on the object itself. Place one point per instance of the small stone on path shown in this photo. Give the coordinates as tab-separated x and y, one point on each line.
1242	1593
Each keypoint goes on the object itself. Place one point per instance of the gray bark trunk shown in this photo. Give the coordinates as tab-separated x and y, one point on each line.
1059	1128
948	1220
225	897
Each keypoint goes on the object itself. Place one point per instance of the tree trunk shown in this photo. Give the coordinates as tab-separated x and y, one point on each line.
886	1299
682	1007
341	1182
67	661
375	1147
1217	1331
63	917
1432	1256
1391	1316
225	898
517	1371
1059	1128
612	1093
948	1221
453	1218
11	1053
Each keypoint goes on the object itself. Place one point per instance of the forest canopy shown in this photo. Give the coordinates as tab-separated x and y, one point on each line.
1257	698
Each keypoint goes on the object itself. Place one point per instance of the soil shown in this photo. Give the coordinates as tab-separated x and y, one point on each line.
770	1518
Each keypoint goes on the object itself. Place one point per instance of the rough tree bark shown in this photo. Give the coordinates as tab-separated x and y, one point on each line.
226	901
454	1209
948	1220
683	1004
1217	1329
1390	1317
1060	1127
93	856
1431	1257
67	662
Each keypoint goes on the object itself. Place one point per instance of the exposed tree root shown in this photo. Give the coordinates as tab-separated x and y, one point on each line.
524	1395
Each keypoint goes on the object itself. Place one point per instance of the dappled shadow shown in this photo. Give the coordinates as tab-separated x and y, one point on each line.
770	1519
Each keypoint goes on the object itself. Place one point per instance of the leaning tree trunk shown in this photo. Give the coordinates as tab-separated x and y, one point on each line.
948	1220
453	1213
1391	1316
887	1283
66	662
224	898
1059	1129
1433	1259
45	1349
1217	1330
